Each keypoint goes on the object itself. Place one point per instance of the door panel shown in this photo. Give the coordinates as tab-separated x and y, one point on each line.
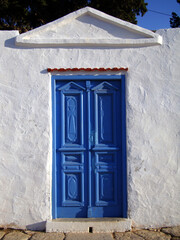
71	148
105	119
73	179
72	114
72	130
106	178
88	146
105	111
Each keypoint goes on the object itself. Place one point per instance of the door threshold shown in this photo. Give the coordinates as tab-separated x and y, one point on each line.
89	225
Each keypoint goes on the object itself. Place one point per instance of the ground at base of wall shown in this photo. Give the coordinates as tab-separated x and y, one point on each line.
151	234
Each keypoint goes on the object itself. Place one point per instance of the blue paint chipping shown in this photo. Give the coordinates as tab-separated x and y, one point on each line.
89	146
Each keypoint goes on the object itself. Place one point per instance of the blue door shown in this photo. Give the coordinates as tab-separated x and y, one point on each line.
89	178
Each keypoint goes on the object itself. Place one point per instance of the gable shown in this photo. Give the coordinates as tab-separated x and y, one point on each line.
70	86
88	27
104	86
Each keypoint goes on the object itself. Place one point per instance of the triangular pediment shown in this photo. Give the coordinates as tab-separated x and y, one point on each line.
88	27
104	86
71	86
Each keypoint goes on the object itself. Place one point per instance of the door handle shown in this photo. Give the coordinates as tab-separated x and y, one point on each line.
92	138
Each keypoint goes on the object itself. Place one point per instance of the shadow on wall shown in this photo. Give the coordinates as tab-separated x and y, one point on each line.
40	226
10	43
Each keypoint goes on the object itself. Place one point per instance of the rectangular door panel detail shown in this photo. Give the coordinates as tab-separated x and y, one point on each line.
106	186
106	178
105	121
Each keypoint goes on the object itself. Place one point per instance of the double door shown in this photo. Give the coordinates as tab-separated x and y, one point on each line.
89	177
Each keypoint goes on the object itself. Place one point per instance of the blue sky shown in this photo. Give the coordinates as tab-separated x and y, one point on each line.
154	21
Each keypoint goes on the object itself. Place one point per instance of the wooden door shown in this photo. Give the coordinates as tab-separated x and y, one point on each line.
89	167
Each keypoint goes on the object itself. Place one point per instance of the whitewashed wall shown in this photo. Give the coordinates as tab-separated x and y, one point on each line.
153	127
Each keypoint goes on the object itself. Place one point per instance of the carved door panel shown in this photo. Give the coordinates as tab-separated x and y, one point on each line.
88	149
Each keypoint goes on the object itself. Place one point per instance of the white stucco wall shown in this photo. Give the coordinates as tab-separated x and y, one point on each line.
153	127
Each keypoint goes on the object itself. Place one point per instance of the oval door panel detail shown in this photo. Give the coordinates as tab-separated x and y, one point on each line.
71	119
72	183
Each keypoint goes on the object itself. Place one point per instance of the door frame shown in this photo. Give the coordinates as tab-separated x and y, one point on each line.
121	78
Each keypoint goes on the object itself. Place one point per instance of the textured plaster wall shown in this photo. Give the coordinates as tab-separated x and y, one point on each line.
85	26
153	127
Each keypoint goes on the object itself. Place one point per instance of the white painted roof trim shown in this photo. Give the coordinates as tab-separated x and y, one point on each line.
90	42
154	39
